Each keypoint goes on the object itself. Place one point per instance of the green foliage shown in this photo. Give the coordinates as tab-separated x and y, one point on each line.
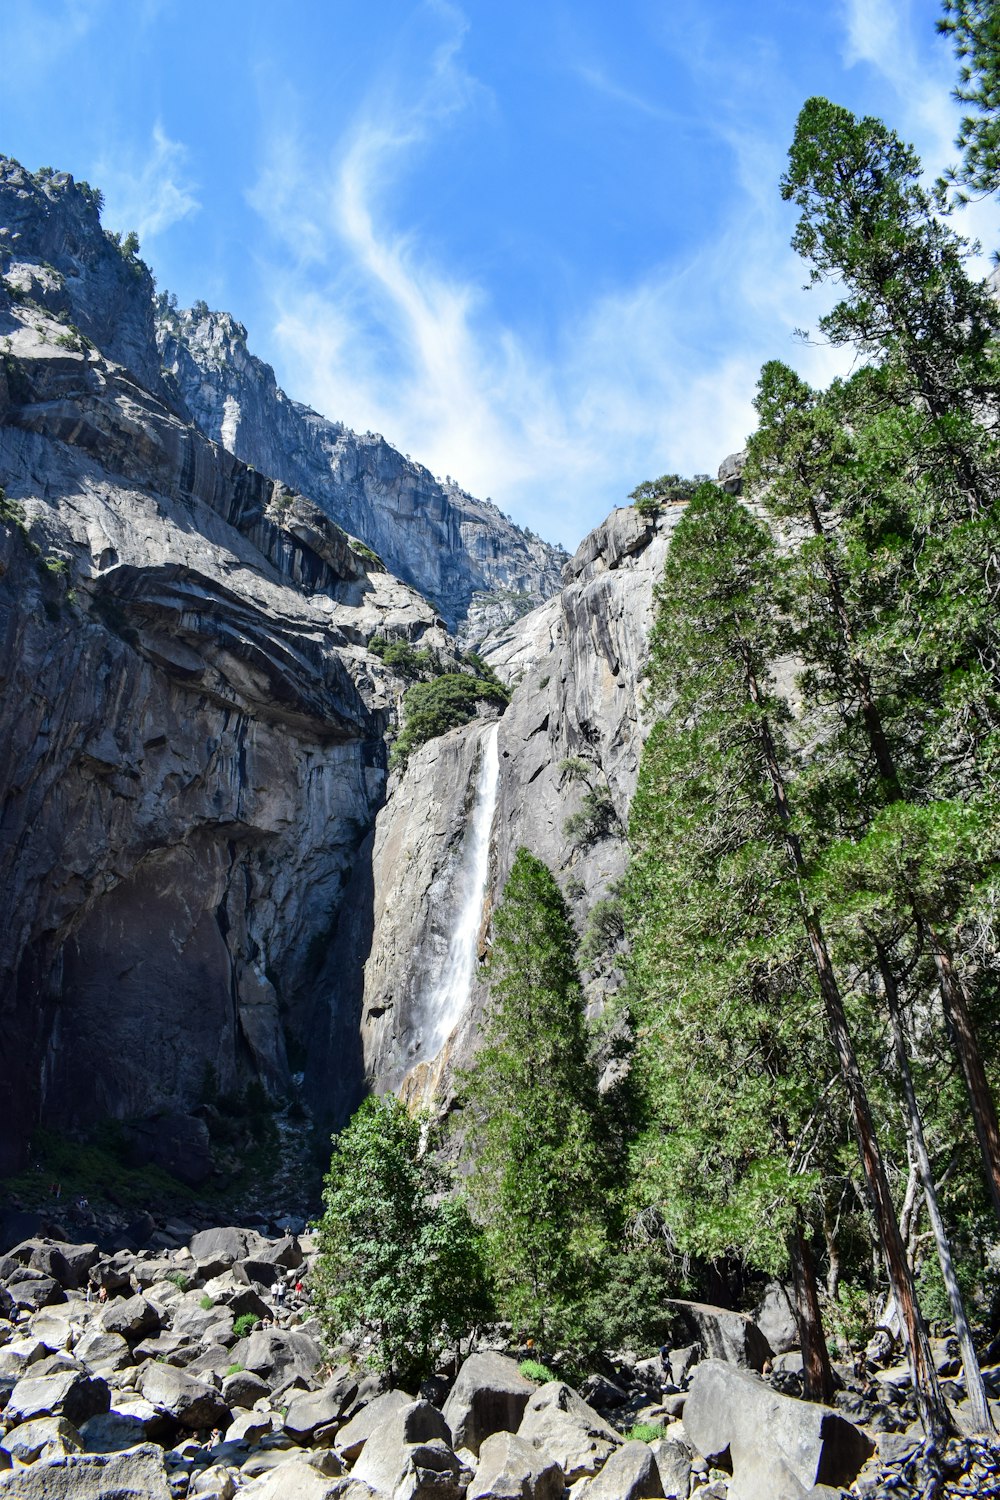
604	934
595	820
974	27
645	1432
539	1184
405	660
234	1369
245	1324
432	708
653	494
180	1281
533	1369
397	1261
207	1302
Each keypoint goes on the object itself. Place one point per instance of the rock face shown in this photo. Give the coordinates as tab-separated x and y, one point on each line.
575	666
465	555
191	735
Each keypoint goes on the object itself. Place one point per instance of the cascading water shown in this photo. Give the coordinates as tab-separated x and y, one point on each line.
446	1001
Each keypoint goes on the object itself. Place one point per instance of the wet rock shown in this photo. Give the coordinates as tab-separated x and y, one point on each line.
490	1395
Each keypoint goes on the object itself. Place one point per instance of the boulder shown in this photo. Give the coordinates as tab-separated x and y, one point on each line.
308	1413
286	1252
777	1446
138	1474
72	1395
100	1350
352	1437
775	1317
133	1317
511	1469
409	1456
673	1461
243	1388
277	1355
724	1335
33	1290
190	1402
567	1431
112	1432
250	1426
216	1250
115	1274
41	1439
64	1262
489	1396
294	1479
629	1474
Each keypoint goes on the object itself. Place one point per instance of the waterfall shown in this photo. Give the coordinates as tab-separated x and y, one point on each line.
445	1003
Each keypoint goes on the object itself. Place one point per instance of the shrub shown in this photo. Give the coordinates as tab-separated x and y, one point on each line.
532	1369
653	494
244	1324
180	1281
234	1369
432	708
645	1432
206	1302
597	819
397	1261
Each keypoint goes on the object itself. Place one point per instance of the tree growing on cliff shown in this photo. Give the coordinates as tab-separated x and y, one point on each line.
540	1167
398	1261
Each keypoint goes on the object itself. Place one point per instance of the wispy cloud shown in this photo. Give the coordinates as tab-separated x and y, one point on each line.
147	192
598	79
372	327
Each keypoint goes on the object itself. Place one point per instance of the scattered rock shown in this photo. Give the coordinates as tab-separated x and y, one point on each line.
512	1469
190	1402
139	1474
490	1395
567	1431
354	1434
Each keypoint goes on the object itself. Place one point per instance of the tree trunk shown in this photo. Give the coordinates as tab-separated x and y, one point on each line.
933	1412
816	1372
970	1363
953	996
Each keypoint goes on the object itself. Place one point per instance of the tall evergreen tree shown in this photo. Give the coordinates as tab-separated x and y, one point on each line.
974	27
539	1184
712	653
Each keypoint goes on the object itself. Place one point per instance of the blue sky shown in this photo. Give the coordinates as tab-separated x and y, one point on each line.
539	245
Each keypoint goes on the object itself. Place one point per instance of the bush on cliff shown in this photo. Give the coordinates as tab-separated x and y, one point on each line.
432	708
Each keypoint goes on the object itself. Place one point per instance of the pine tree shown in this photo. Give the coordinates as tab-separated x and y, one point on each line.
712	654
539	1185
974	26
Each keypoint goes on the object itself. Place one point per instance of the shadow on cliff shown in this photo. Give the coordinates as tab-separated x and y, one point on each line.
335	1081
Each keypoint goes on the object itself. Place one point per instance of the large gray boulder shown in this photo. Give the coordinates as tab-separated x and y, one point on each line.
70	1394
631	1473
243	1388
307	1414
489	1396
42	1438
352	1437
730	1336
512	1469
216	1250
133	1317
775	1317
190	1402
561	1425
138	1474
278	1355
409	1456
778	1446
112	1432
103	1351
674	1464
294	1479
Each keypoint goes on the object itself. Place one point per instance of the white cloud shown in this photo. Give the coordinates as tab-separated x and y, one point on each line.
372	328
147	193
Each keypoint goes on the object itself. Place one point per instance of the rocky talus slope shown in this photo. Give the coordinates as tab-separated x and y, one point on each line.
575	667
192	731
465	555
193	1367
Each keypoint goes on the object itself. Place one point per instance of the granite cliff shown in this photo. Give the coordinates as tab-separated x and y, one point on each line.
211	879
465	555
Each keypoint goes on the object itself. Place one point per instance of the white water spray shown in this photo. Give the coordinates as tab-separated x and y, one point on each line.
446	1002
